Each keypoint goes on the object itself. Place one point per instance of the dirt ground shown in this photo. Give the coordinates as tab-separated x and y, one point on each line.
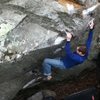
63	88
84	82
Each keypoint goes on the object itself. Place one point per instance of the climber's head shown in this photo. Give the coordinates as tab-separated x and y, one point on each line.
81	50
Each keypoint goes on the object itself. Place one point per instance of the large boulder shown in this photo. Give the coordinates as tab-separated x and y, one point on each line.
30	31
43	95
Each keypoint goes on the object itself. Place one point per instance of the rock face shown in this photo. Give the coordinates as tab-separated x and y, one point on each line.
87	2
30	31
43	95
97	27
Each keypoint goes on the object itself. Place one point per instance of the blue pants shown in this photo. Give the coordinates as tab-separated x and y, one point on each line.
49	63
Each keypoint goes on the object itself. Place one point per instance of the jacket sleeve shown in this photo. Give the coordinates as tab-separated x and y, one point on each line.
68	49
70	54
89	40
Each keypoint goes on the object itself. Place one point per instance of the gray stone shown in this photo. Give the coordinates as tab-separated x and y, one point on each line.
33	27
87	2
9	89
41	94
4	1
37	96
97	36
47	93
9	19
24	38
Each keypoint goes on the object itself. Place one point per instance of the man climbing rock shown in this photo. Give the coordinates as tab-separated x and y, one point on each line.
71	58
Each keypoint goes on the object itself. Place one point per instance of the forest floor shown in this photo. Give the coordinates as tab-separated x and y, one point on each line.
86	81
62	88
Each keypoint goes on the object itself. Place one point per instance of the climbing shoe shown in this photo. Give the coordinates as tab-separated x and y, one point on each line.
47	78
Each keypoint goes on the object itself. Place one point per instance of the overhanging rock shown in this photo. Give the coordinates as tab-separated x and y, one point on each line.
43	21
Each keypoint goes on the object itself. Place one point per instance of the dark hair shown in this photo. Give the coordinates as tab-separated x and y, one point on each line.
82	49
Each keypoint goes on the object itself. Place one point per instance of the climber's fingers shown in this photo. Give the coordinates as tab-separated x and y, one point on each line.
91	24
68	36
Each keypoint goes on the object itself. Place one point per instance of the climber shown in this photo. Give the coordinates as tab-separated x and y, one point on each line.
71	58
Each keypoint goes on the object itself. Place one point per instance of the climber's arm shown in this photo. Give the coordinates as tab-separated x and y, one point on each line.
67	46
90	36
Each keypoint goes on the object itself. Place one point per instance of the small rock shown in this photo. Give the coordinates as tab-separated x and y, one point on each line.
18	56
37	96
47	93
1	54
10	51
7	58
42	94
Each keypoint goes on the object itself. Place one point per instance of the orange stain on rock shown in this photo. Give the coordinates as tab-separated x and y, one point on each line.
64	2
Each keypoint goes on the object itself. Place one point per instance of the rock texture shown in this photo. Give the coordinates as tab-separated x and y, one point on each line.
87	2
98	27
43	95
29	32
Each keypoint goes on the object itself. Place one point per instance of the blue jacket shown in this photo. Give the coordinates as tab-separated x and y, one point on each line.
73	58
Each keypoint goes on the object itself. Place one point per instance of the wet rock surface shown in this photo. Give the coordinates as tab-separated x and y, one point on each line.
28	31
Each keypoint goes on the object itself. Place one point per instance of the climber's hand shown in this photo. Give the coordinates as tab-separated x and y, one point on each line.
68	36
91	24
